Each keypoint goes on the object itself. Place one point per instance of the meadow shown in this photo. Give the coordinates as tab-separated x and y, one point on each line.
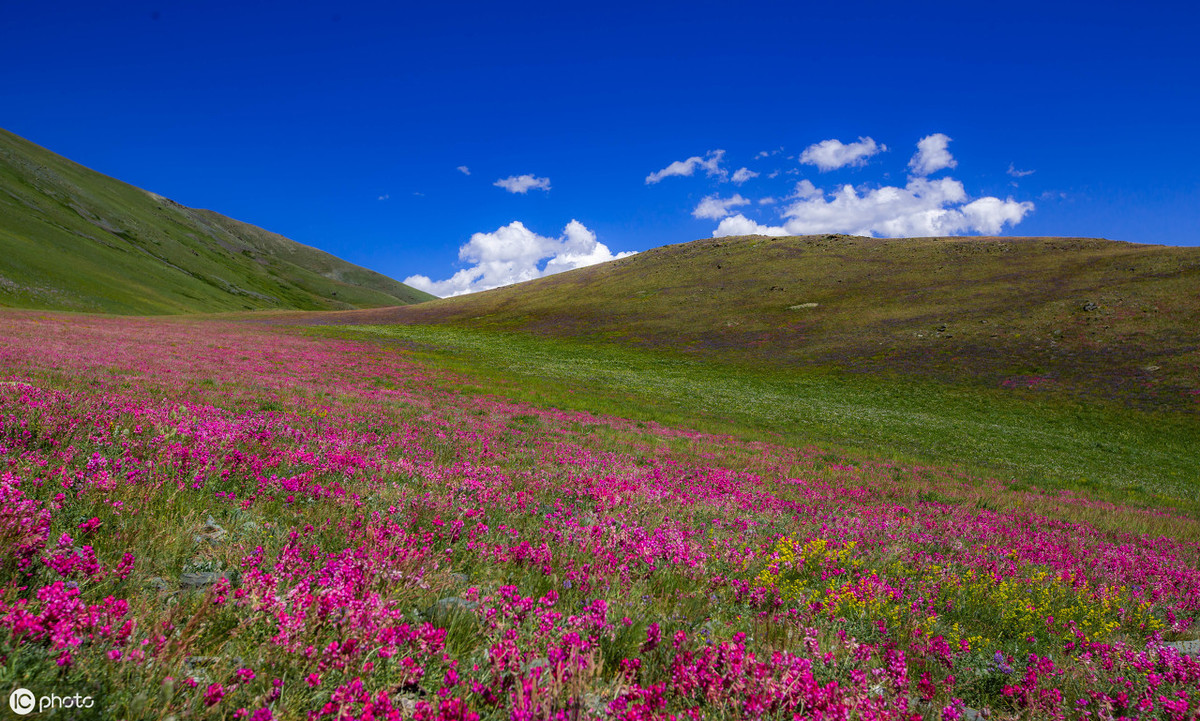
208	519
1015	431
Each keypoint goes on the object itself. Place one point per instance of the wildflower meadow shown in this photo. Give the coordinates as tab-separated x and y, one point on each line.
205	519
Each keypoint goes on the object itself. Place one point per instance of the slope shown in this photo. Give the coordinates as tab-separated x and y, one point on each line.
73	239
1092	319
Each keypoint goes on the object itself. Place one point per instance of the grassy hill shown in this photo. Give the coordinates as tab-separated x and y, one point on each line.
1057	363
1096	320
73	239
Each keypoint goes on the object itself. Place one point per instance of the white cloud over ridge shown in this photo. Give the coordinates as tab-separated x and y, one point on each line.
710	163
922	207
741	225
714	207
932	155
513	253
522	183
833	154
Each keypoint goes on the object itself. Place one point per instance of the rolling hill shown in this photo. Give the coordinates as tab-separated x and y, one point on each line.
74	239
1092	319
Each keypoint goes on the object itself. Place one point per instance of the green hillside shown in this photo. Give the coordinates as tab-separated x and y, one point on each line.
1090	319
73	239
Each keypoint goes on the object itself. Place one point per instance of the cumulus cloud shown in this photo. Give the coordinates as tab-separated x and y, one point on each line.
833	154
990	215
714	207
932	155
741	175
464	170
919	208
522	183
514	253
1019	173
710	163
805	189
741	225
923	207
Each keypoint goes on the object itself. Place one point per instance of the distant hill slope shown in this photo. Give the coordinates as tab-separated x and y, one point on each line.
73	239
1096	318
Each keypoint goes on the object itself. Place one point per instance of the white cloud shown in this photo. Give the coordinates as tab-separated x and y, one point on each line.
990	215
385	196
1019	173
464	170
741	225
512	254
922	208
805	189
522	183
714	207
917	209
711	163
932	155
833	154
742	175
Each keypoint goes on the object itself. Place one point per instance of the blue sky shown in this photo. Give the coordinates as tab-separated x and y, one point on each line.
343	125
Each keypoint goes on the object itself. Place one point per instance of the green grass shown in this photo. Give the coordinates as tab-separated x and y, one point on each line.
1105	450
73	239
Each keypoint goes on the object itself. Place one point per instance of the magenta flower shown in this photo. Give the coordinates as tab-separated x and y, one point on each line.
213	694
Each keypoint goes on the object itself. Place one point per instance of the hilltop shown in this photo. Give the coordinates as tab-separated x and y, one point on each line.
1095	319
74	239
